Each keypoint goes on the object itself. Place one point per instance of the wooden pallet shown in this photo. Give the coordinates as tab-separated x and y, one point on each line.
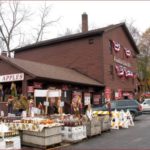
31	145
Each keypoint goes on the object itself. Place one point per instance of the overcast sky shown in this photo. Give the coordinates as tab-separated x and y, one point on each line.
100	13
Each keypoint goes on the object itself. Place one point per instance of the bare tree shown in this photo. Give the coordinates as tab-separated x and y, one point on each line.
45	22
133	30
9	23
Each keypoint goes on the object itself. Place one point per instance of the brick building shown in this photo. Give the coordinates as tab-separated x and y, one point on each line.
29	76
107	55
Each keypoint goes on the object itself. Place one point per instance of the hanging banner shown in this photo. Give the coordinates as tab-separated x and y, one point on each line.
30	89
116	46
107	94
116	96
130	96
65	87
12	77
119	93
129	74
37	85
119	70
96	99
127	52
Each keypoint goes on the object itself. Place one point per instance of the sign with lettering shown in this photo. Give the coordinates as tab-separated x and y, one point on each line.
122	62
12	77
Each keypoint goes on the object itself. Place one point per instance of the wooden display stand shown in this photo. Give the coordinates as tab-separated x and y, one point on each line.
73	134
105	123
49	94
12	142
93	127
43	139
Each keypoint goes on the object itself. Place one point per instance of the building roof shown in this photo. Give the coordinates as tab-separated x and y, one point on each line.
99	31
39	70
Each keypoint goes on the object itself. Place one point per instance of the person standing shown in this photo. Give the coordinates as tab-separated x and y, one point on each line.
108	105
79	104
10	104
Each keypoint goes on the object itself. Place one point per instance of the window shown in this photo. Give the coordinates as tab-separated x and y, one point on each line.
91	41
111	69
110	47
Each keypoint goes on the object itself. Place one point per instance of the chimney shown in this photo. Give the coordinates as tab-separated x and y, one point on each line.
84	22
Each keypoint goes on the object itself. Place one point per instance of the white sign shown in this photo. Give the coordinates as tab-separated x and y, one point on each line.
12	77
120	61
87	100
45	93
65	94
116	94
46	103
62	104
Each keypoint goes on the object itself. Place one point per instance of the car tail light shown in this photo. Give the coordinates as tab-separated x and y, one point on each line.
140	107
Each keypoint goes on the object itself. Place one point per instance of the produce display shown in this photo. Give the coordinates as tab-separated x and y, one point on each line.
73	120
31	124
9	133
74	128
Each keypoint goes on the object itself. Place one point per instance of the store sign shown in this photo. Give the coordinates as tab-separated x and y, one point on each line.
87	98
12	77
45	93
122	62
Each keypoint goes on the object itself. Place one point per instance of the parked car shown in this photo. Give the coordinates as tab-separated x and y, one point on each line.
146	105
133	106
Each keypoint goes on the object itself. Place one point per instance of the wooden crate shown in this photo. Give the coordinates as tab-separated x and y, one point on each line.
41	141
93	128
74	134
105	123
10	143
94	131
45	132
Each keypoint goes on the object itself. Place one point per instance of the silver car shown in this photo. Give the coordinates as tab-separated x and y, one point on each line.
146	105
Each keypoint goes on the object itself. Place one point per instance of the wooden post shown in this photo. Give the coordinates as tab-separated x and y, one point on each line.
24	87
46	107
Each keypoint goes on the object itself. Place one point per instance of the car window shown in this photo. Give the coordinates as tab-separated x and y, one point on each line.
113	104
132	102
121	103
147	101
126	103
